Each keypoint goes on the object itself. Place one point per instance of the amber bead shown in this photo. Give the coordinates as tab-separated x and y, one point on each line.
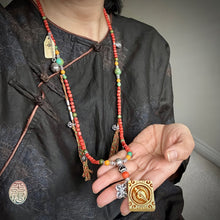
128	157
107	162
62	71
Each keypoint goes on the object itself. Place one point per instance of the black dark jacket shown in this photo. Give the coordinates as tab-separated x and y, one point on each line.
47	160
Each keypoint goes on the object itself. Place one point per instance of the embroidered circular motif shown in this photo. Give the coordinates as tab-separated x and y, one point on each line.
18	192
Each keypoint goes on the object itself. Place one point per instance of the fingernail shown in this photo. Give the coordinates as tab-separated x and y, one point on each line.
172	156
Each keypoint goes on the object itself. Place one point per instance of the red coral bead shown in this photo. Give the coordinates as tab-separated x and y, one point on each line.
125	175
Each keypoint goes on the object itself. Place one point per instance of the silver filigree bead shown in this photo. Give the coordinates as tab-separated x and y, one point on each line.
118	45
84	158
55	67
119	162
70	124
115	127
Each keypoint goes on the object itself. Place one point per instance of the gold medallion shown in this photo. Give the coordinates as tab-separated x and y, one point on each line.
141	196
18	192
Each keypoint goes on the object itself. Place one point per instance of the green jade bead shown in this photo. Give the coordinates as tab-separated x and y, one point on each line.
101	161
64	76
85	151
60	61
117	71
74	115
118	84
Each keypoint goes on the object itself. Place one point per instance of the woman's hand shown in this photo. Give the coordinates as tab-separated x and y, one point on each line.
157	151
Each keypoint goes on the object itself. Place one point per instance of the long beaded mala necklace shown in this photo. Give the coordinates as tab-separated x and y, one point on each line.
138	191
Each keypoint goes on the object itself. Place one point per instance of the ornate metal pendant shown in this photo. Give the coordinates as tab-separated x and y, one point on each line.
141	196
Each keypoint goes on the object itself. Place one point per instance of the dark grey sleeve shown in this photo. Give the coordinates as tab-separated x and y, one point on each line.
166	113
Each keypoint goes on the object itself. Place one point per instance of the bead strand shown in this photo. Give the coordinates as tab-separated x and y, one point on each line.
58	65
45	20
118	81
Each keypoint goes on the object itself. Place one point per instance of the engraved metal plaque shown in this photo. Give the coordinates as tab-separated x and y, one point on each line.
141	196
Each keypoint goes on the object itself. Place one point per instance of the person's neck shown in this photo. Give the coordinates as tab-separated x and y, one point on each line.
81	17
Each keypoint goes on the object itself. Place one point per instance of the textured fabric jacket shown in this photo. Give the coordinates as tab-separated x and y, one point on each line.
34	138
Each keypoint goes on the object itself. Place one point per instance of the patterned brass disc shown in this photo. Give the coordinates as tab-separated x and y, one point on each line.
18	192
141	196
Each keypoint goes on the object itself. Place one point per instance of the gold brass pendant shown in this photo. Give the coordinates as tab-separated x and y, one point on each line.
141	196
49	47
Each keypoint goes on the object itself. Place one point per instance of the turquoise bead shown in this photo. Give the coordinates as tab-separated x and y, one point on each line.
117	71
60	61
129	153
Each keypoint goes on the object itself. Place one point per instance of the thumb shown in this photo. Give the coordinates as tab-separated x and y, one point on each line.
177	152
178	144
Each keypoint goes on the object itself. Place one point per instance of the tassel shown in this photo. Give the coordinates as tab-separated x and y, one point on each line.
86	171
115	144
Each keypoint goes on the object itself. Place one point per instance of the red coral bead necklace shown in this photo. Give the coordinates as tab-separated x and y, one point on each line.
57	65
